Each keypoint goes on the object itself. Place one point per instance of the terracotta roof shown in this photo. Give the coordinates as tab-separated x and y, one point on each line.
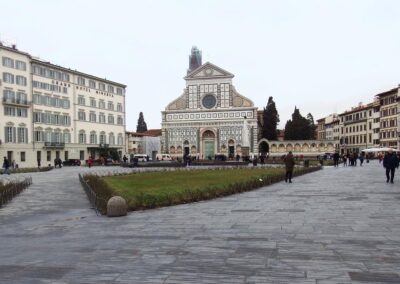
390	92
281	132
150	132
355	109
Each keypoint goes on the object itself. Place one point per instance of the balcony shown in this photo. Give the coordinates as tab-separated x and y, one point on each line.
16	102
54	145
102	145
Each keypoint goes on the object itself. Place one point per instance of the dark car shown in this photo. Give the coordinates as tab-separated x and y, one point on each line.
72	162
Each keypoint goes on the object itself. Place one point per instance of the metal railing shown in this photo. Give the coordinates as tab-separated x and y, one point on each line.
54	144
15	101
92	196
12	188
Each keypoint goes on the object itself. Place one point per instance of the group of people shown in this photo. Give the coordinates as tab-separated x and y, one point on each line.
7	165
349	159
390	163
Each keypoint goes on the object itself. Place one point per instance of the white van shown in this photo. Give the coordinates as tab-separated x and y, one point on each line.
163	157
141	157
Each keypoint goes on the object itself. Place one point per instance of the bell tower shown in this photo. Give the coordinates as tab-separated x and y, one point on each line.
194	59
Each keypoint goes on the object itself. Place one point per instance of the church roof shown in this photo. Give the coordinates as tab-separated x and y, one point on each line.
208	71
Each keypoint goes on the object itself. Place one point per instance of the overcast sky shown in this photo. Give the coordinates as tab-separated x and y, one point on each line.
322	56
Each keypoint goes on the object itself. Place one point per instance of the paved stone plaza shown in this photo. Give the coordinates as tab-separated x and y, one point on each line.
333	226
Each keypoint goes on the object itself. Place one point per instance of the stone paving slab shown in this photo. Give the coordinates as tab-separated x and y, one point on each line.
338	225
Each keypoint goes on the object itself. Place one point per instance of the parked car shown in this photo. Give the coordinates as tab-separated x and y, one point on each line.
163	157
72	162
141	157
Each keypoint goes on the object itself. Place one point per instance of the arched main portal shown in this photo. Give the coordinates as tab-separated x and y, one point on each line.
231	149
208	143
263	147
186	148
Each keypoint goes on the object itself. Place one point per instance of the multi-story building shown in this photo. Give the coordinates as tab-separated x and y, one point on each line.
332	128
328	130
389	135
148	142
358	128
54	112
398	122
321	133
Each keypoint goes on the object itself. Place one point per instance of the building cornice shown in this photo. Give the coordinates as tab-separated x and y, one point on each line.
48	64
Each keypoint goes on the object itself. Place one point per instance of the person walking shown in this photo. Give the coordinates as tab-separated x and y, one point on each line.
344	158
336	159
361	159
90	161
289	164
390	163
6	166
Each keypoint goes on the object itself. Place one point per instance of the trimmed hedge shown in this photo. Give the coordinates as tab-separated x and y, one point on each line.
10	189
29	170
145	200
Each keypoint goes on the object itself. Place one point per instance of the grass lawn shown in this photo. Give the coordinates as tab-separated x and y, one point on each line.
155	189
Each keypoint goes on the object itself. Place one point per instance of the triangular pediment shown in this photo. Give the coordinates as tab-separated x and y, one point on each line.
208	71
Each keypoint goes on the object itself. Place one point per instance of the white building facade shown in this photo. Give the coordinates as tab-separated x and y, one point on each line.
210	117
53	112
389	118
359	128
148	143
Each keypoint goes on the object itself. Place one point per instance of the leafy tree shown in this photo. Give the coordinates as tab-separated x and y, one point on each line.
299	127
270	120
141	124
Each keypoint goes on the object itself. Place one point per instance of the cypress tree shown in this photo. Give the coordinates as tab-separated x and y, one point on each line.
141	124
299	127
311	125
270	120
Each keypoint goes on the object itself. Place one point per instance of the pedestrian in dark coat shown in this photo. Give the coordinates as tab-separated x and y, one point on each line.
361	159
6	166
390	163
336	159
289	164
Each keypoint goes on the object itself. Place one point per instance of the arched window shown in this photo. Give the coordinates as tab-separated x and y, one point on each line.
38	134
57	136
67	136
102	137
82	137
93	137
111	139
120	139
47	135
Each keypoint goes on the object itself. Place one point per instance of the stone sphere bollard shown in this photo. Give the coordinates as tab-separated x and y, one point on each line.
116	207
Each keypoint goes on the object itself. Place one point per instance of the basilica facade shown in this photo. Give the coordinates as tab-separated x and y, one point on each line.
210	117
